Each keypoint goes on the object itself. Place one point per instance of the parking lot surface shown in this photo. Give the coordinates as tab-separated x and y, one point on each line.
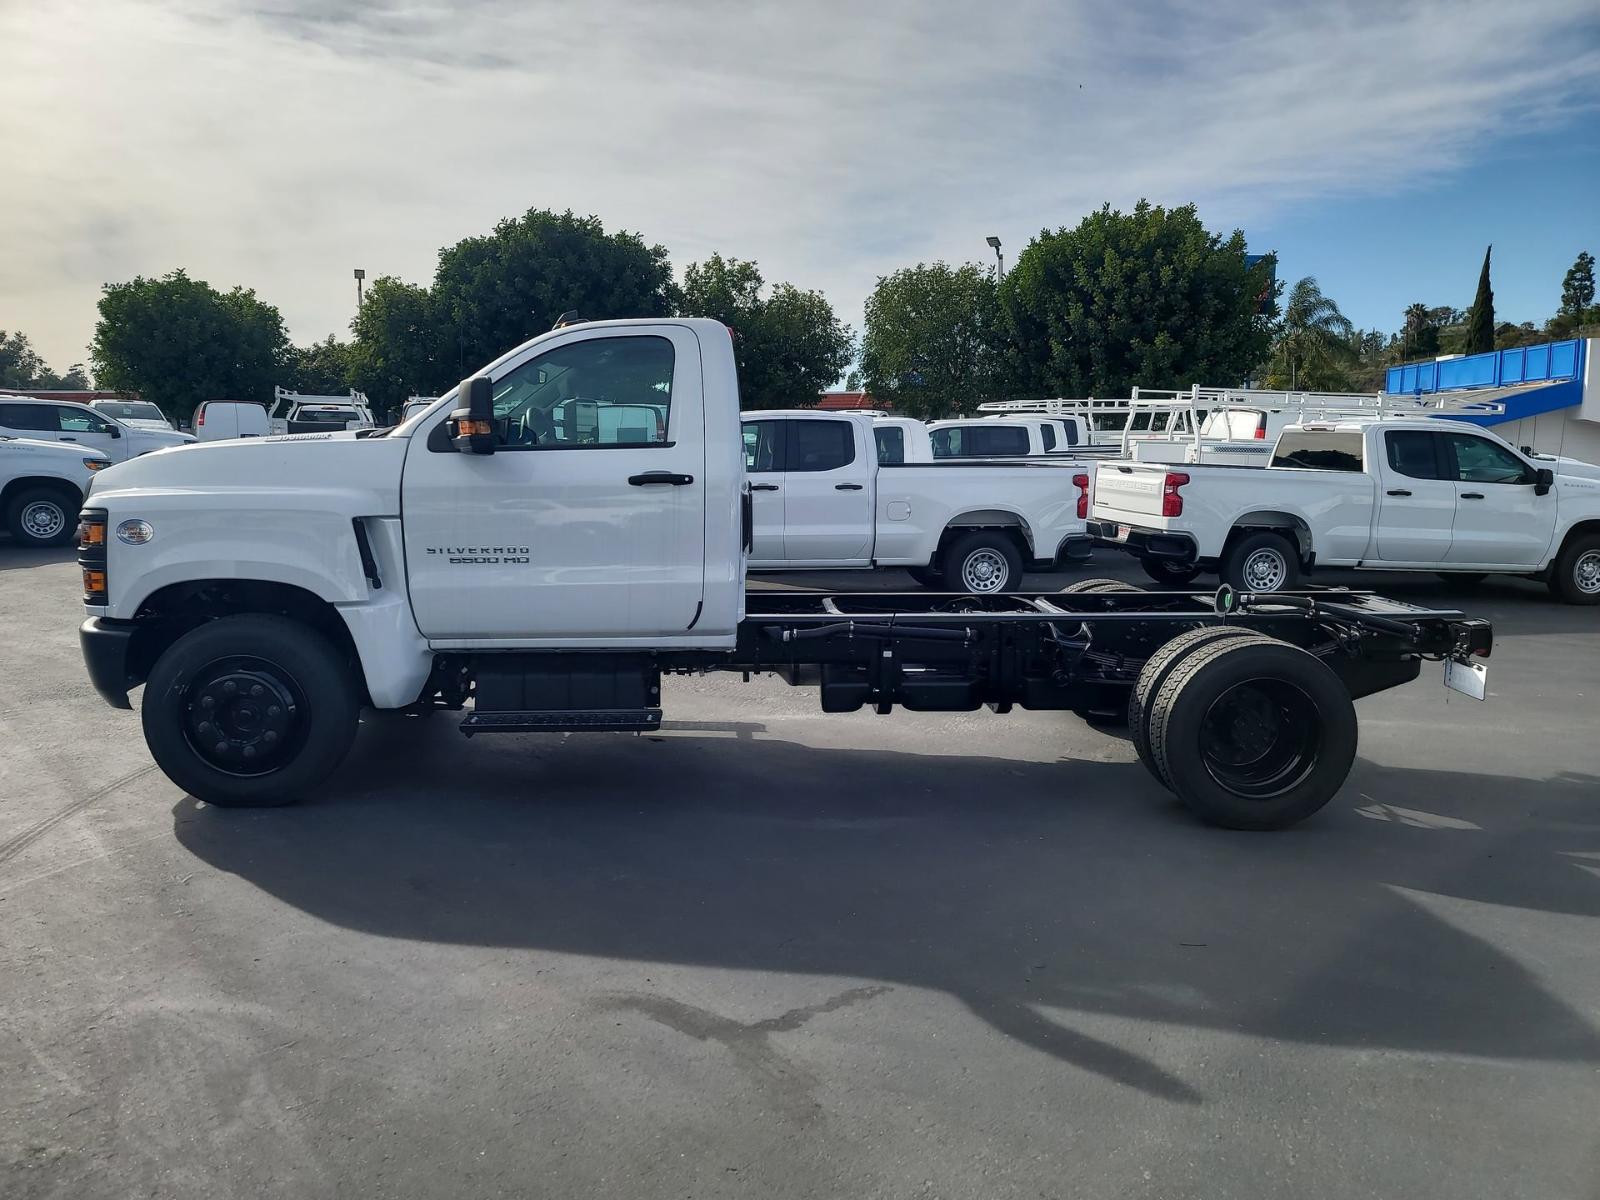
769	952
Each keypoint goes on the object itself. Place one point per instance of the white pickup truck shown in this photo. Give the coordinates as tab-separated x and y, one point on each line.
1394	495
264	591
826	498
42	486
79	426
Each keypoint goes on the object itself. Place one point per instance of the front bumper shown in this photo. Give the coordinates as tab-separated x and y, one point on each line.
1145	543
105	646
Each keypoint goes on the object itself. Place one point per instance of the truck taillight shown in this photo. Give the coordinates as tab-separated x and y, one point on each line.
1081	482
200	417
1261	430
1171	502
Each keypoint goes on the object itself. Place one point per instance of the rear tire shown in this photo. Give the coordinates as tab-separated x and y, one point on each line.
43	516
1575	579
1253	733
1155	672
1262	562
250	711
1164	570
982	564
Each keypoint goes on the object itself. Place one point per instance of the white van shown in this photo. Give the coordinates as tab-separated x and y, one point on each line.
220	420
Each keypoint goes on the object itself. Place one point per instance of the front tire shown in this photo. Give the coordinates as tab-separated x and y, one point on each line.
1576	577
42	516
1253	733
1262	562
250	711
982	564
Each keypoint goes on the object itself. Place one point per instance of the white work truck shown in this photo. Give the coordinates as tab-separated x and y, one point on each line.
1394	495
42	486
79	426
826	498
513	553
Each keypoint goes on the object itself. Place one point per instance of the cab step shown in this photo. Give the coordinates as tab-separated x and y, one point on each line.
575	720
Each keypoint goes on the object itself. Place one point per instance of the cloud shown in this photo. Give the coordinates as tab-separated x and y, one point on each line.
279	143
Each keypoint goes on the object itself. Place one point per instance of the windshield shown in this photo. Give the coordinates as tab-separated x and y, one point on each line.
131	411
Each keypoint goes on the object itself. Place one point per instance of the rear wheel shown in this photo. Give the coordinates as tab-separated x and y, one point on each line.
250	711
42	516
982	563
1164	570
1262	562
1253	733
1575	578
1157	668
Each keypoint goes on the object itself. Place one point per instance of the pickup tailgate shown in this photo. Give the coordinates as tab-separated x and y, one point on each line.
1130	493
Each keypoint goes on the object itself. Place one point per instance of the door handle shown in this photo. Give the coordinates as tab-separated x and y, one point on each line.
763	487
1472	495
650	477
67	439
847	487
1397	492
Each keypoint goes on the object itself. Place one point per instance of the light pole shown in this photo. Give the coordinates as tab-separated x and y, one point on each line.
360	275
1000	259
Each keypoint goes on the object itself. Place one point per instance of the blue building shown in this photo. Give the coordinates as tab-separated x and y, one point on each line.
1551	392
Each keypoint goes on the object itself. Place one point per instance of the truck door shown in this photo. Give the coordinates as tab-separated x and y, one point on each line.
827	493
1416	498
1498	518
576	526
763	463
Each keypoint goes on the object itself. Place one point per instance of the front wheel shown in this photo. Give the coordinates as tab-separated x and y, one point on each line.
1262	562
1164	570
250	711
1576	576
42	517
983	564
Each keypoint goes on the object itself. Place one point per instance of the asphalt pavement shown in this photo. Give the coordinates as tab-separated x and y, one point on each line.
772	953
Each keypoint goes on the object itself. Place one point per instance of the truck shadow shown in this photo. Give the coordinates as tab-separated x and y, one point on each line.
1035	893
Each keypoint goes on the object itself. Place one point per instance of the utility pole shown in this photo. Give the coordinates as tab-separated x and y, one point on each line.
360	275
1000	259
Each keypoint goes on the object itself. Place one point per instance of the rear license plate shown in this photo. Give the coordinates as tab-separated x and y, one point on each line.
1468	678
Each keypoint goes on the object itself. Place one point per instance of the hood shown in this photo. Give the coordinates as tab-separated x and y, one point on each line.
64	451
1571	468
157	435
336	471
148	424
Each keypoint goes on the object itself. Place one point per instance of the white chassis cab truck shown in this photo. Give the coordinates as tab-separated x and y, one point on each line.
824	499
42	485
264	591
1422	494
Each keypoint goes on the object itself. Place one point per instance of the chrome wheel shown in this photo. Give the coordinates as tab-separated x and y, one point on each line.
985	570
1265	570
1586	573
43	519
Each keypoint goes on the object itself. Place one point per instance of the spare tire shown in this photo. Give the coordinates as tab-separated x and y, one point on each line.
1253	733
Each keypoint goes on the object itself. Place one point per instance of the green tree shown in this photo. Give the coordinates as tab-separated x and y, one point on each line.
789	344
400	348
1148	298
1480	319
1314	349
1577	289
933	345
21	367
177	341
494	292
322	368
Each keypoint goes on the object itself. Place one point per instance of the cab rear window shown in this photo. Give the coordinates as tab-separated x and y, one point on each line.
1317	450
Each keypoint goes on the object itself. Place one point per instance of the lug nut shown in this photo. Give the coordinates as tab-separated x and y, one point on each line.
230	687
256	689
208	702
222	747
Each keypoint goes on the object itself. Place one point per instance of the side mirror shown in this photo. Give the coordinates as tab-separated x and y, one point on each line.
116	432
1543	480
472	425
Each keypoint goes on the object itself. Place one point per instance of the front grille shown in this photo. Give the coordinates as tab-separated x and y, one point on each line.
92	535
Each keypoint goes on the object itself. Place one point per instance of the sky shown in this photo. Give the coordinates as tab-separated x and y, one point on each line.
278	144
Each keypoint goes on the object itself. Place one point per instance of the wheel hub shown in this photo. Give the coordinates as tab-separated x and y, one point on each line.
242	718
1265	571
43	520
1260	738
984	571
1586	573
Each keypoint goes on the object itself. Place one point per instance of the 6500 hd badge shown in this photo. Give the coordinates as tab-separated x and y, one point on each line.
481	554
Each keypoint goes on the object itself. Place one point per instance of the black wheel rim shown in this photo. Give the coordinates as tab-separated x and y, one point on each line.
245	716
1261	738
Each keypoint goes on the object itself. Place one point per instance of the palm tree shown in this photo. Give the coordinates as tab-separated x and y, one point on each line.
1314	344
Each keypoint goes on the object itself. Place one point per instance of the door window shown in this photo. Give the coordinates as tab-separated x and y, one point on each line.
891	442
1412	452
968	441
81	420
820	445
1478	460
763	446
595	392
30	416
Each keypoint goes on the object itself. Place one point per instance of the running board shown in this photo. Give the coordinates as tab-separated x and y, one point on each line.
572	720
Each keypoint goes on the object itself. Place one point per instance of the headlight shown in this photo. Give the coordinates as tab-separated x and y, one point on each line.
135	532
97	464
